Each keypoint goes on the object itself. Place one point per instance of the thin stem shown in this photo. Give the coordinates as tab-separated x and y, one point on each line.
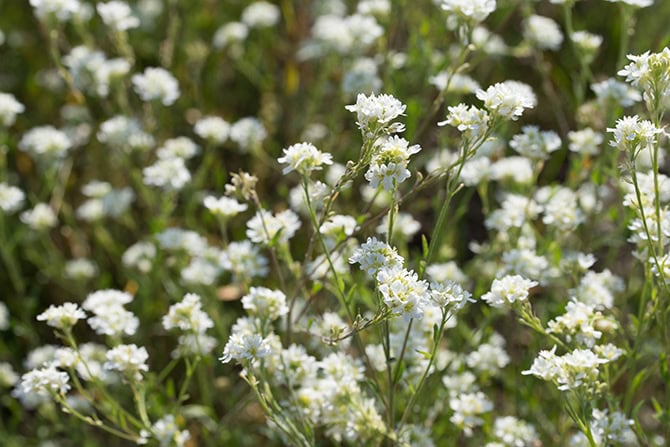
140	402
436	342
67	408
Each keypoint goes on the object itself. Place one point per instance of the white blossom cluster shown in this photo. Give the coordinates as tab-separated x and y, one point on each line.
189	317
389	163
109	314
92	72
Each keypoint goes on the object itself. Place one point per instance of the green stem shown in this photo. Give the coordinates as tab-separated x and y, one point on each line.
94	422
436	342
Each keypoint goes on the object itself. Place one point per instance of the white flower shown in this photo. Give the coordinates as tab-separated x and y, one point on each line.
264	226
140	256
230	33
80	268
213	129
122	132
167	433
338	225
170	174
543	32
61	10
181	147
561	209
244	260
514	432
574	370
62	317
114	321
475	10
612	91
45	141
475	171
587	42
374	255
459	83
4	317
191	344
117	15
490	357
9	108
585	141
304	158
649	72
260	14
578	322
44	381
508	289
11	198
535	144
472	121
515	169
200	271
508	99
448	293
345	34
41	217
467	408
265	303
182	240
98	301
389	164
634	3
245	347
110	318
112	202
613	429
248	133
224	206
403	292
8	376
639	70
374	7
514	212
129	360
632	134
545	366
188	315
376	111
156	84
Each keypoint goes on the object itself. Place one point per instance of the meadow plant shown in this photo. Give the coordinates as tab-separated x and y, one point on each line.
372	222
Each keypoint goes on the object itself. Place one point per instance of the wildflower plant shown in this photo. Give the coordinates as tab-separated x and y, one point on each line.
344	223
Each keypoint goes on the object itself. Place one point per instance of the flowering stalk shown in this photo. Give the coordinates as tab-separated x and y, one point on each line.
467	150
274	411
437	337
95	422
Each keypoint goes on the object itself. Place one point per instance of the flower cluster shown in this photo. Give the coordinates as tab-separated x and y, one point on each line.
389	164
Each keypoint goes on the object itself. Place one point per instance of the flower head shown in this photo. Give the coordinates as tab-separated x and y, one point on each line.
304	158
117	15
508	289
374	112
62	317
508	99
156	84
44	381
130	360
471	10
9	108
